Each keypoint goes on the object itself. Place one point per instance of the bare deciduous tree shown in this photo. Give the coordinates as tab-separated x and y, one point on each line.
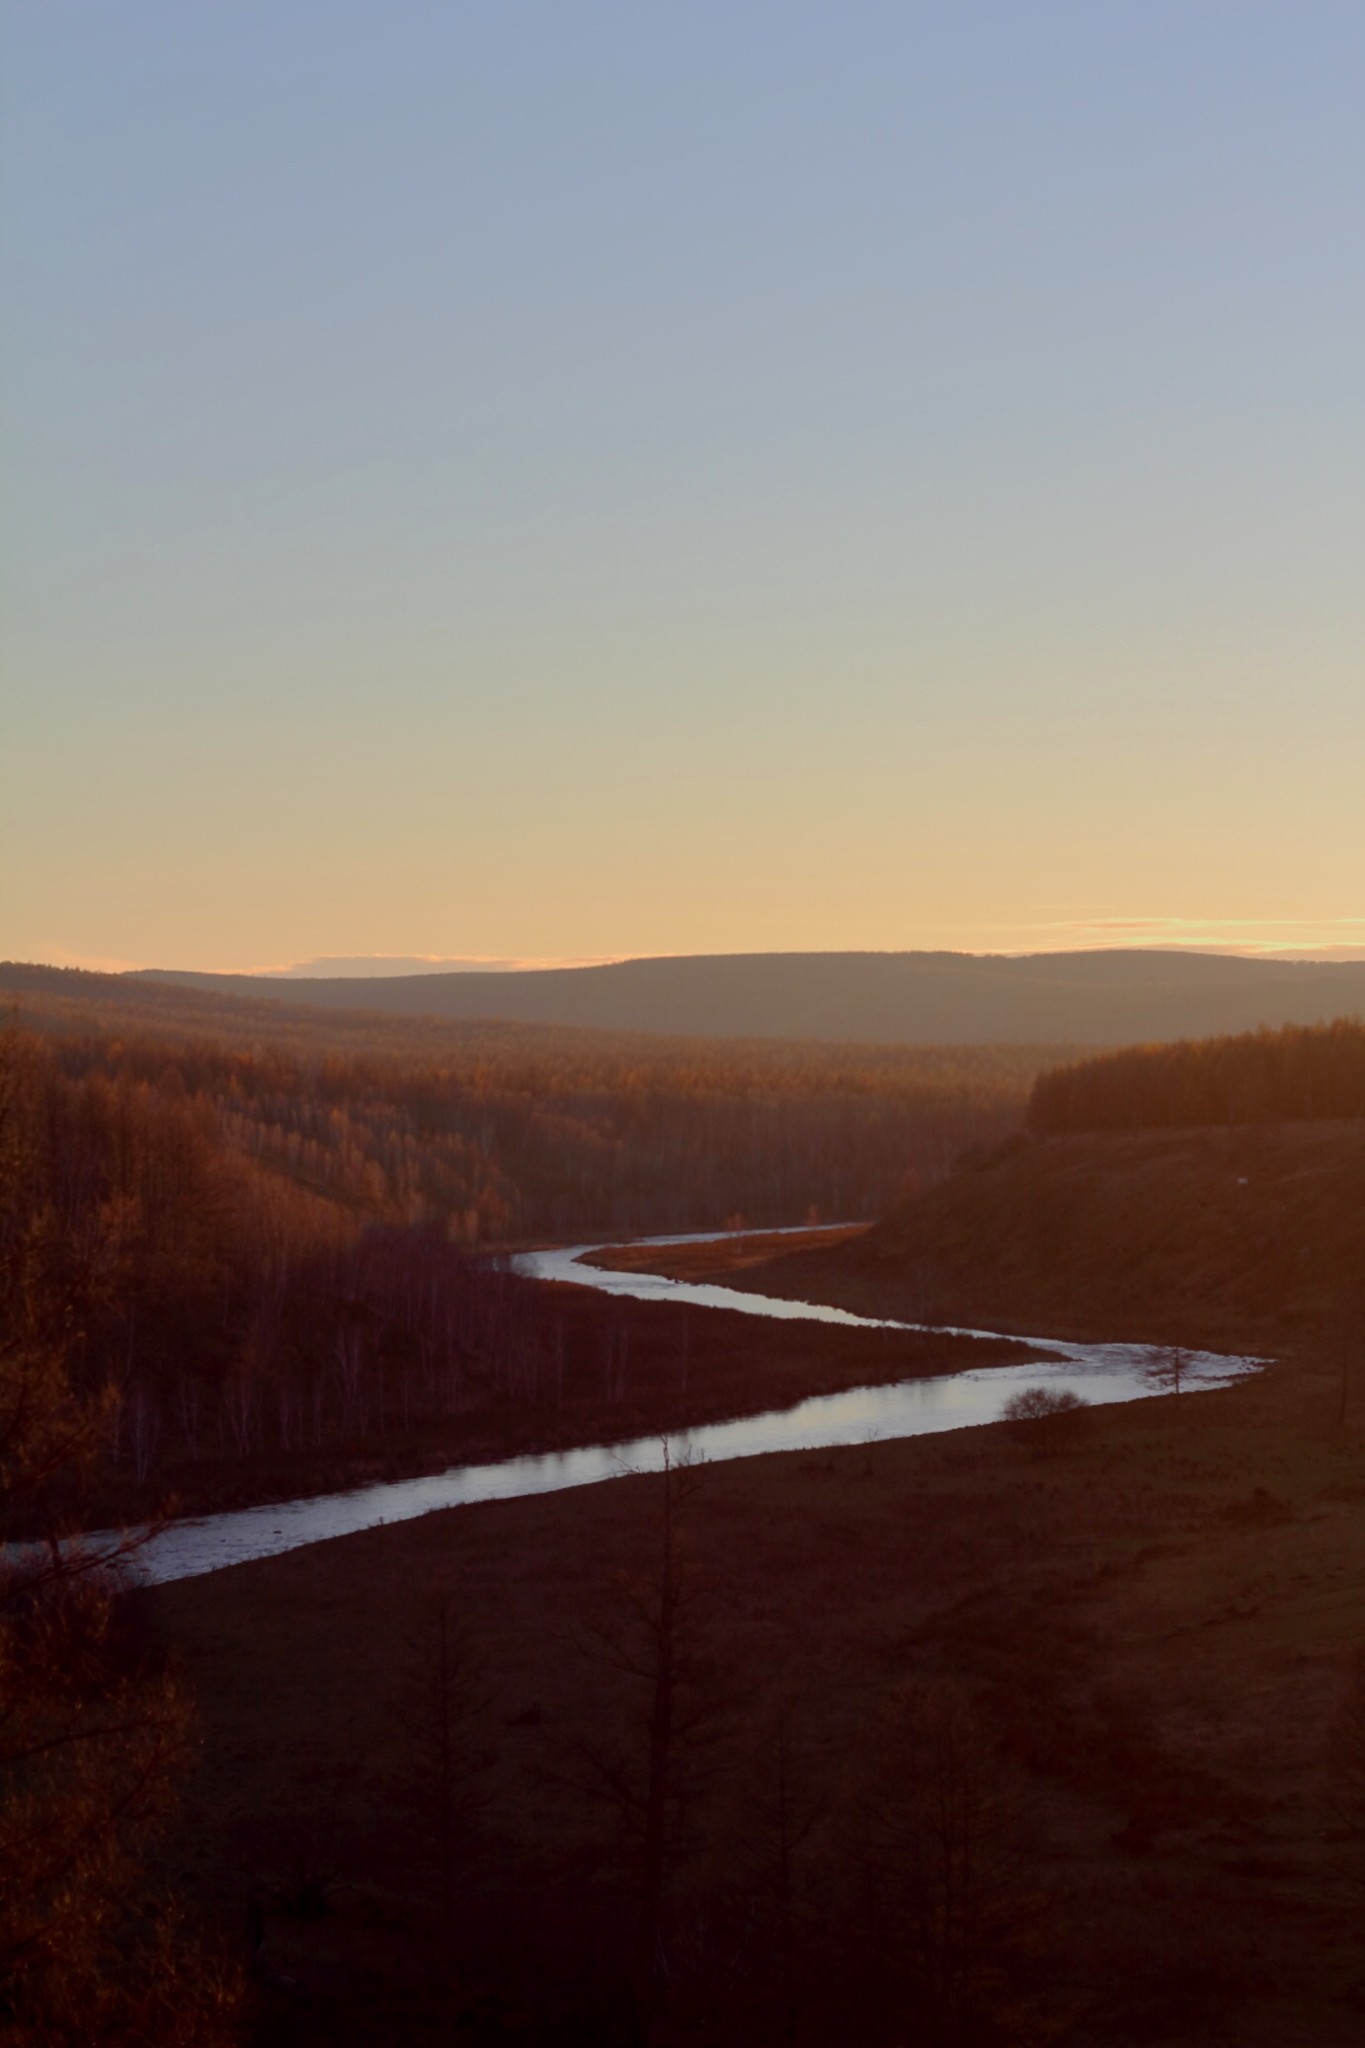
949	1895
440	1707
780	1812
1170	1368
1346	1778
651	1632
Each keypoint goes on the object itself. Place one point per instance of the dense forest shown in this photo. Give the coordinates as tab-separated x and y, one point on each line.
265	1250
1304	1073
504	1133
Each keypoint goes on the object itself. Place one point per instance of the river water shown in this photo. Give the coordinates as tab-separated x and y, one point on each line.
1100	1373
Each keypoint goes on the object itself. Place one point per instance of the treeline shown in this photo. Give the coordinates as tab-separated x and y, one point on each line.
1304	1073
495	1133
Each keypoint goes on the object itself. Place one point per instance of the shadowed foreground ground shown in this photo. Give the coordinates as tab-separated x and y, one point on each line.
1138	1640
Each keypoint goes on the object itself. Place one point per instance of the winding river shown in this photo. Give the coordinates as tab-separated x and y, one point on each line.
1100	1373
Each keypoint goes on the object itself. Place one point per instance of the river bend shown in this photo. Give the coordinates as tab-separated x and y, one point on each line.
1099	1373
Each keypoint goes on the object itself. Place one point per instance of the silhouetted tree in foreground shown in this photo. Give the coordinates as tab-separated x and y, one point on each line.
439	1707
949	1908
781	1812
652	1632
1170	1369
1346	1779
91	1738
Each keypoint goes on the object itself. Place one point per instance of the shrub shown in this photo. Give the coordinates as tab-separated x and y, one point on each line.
1044	1418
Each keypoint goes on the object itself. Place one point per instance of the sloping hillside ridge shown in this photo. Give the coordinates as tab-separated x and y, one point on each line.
1224	1238
1111	997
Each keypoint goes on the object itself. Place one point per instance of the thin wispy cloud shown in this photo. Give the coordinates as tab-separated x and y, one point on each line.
1328	938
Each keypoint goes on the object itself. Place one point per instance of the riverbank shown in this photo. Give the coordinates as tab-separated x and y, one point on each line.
1249	1239
587	1370
711	1258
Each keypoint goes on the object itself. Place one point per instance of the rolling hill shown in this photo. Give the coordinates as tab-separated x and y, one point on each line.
1094	998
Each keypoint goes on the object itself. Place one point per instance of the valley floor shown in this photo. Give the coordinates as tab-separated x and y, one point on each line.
1140	1642
593	1370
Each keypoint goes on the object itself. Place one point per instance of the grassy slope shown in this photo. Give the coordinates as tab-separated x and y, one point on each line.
1205	1237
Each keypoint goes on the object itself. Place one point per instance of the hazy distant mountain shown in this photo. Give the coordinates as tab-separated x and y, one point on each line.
1093	998
382	966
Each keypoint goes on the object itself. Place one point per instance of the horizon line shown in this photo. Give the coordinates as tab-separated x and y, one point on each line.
413	966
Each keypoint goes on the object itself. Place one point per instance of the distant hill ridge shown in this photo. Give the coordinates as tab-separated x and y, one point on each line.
1092	998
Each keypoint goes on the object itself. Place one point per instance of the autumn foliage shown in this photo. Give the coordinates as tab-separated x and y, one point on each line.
271	1251
92	1732
1304	1073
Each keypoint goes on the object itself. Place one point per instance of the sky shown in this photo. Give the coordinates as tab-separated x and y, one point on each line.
519	481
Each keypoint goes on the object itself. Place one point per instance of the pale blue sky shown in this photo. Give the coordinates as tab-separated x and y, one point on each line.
571	480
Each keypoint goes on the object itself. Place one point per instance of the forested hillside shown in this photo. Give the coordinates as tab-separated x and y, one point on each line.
1302	1073
258	1249
497	1131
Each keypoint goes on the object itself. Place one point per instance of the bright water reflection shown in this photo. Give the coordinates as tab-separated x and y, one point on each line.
1101	1373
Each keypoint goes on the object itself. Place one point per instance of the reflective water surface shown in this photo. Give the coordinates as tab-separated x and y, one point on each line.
1099	1372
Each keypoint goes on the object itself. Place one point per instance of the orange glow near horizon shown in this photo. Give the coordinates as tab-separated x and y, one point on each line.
927	516
1328	939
